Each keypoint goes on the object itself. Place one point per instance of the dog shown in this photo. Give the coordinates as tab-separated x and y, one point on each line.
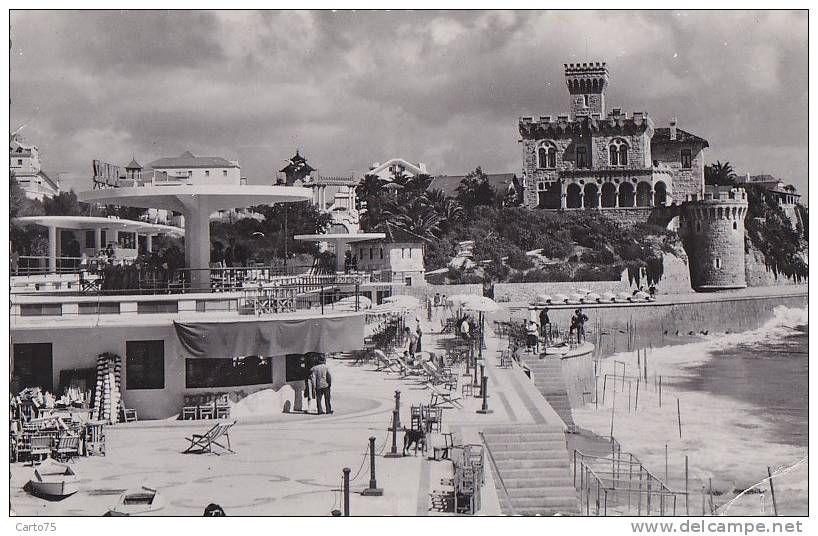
416	438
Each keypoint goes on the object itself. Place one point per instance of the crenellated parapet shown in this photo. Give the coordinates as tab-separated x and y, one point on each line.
616	123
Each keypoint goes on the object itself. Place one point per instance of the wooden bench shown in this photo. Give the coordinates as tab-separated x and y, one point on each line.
201	443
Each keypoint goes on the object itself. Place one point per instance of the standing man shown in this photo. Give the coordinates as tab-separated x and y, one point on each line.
581	318
322	381
544	321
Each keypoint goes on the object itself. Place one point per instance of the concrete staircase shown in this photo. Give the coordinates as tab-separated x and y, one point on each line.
533	464
547	376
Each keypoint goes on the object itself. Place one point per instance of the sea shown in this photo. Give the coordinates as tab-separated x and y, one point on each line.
734	404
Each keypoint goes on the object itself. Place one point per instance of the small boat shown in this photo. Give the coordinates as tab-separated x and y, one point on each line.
53	480
143	501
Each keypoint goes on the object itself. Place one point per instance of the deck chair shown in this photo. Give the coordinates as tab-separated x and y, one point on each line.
40	446
127	415
67	447
384	363
407	369
442	399
201	443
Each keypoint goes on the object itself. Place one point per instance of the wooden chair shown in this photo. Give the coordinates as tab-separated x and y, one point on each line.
207	411
201	443
20	444
442	399
223	406
67	447
444	450
94	438
189	413
433	419
127	415
40	446
416	420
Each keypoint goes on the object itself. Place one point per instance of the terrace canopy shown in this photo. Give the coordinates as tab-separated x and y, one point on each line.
274	336
196	202
341	240
97	224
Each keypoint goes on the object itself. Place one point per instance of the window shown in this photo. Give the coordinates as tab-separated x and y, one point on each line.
547	156
410	253
89	240
717	263
618	153
371	256
381	253
145	364
150	307
735	225
219	372
207	173
40	309
582	157
101	308
402	253
33	366
585	100
224	173
687	159
698	226
19	161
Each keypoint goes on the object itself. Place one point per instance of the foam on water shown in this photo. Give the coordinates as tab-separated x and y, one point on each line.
727	440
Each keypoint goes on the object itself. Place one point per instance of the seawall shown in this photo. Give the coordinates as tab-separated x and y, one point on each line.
671	319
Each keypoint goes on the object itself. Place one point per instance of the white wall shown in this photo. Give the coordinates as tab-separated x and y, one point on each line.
207	175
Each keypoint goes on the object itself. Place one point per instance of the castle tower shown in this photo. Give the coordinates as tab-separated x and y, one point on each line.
712	228
586	83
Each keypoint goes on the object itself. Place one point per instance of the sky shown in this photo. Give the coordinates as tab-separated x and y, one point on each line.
352	88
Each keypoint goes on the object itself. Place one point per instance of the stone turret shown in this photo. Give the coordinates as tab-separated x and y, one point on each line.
587	83
712	227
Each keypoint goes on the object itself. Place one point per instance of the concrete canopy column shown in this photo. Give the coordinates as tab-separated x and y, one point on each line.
52	249
340	255
563	197
97	238
148	243
197	240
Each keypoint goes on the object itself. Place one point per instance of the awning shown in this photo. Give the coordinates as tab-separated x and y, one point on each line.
271	337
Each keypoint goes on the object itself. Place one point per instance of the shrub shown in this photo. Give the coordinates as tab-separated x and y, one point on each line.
602	256
518	260
557	246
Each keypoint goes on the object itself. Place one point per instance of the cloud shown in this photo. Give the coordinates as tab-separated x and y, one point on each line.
349	88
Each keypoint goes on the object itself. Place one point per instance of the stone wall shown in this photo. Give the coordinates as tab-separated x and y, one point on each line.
684	181
628	216
639	156
429	291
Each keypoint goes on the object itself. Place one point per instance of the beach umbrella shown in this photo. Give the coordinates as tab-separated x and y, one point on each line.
403	300
482	304
592	297
543	299
561	298
576	298
609	296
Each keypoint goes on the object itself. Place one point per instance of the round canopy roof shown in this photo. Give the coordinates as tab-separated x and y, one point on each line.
178	198
94	222
346	237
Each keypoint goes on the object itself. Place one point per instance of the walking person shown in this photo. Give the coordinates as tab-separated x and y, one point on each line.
419	344
413	341
532	338
322	381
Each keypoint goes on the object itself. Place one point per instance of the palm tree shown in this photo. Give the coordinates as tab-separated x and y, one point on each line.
417	217
720	174
370	186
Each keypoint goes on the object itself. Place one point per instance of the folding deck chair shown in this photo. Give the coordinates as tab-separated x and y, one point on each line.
201	443
384	363
442	399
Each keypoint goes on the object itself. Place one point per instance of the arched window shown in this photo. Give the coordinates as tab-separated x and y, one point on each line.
547	156
626	195
608	195
618	153
573	196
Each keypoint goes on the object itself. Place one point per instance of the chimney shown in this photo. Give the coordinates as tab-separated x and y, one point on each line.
673	129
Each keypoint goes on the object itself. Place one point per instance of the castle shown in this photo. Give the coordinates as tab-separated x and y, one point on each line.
634	172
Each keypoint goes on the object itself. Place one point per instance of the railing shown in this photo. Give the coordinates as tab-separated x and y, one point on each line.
621	489
499	476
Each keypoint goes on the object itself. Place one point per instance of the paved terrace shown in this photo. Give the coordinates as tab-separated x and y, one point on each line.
290	464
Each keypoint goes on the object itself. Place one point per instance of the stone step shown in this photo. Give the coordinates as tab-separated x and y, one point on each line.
513	460
533	446
567	503
555	490
563	481
522	429
536	472
533	437
543	456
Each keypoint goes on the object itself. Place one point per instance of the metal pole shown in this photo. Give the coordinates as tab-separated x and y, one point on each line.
484	409
397	408
687	490
372	490
772	491
393	453
346	491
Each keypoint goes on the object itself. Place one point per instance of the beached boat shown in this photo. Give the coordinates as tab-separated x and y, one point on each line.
53	480
143	501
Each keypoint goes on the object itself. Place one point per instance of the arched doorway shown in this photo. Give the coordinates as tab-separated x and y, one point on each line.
659	194
608	195
643	196
626	195
574	198
548	195
591	196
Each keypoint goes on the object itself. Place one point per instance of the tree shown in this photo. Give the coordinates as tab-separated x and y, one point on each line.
418	217
369	187
66	204
475	190
720	174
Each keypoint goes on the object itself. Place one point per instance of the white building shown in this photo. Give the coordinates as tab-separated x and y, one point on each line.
399	255
394	167
198	169
24	162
